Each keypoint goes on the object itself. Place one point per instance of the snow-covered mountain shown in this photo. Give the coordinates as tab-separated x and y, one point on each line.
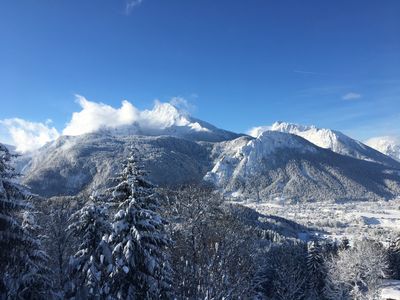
388	145
180	149
330	139
278	165
73	164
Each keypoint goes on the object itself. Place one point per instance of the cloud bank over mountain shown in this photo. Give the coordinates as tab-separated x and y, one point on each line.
93	116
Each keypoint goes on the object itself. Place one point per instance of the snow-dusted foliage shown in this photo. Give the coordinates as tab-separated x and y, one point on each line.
22	260
12	234
91	265
213	252
357	272
394	258
316	270
60	245
35	277
139	241
284	273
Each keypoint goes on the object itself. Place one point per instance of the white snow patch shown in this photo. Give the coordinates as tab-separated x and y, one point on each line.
390	290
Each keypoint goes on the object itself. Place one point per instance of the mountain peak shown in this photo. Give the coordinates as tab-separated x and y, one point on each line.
329	139
389	145
163	119
280	165
285	126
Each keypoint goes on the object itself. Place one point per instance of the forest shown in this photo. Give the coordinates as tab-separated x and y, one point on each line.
134	240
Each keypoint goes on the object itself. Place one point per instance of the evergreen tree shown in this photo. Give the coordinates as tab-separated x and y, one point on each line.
22	260
141	268
34	279
92	263
316	270
394	258
12	236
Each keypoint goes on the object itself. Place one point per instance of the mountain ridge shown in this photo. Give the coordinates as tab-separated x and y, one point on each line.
295	169
330	139
276	164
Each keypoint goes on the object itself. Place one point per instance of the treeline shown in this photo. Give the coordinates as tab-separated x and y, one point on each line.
134	241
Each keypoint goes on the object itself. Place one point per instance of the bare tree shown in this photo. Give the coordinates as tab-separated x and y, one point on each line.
284	274
212	254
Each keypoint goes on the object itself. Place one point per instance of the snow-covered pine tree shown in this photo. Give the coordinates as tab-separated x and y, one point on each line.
12	236
34	278
22	260
394	258
91	265
316	270
139	240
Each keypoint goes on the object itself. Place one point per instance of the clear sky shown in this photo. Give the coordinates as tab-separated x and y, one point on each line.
241	64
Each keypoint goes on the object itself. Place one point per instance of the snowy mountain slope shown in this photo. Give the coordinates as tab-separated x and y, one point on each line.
71	165
286	166
388	145
330	139
10	148
278	226
21	161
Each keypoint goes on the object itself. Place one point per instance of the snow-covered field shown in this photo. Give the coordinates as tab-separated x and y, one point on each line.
379	220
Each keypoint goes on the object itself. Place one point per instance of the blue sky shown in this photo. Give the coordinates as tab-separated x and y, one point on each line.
241	64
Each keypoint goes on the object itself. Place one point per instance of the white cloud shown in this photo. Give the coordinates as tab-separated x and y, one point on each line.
256	131
183	105
351	96
132	4
27	136
94	116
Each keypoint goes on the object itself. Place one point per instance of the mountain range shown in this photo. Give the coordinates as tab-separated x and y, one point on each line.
283	166
284	161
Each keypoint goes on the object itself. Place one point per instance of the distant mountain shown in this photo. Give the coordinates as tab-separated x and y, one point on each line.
388	145
278	165
331	139
71	165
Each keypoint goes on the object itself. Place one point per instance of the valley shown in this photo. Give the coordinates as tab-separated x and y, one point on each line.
379	220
